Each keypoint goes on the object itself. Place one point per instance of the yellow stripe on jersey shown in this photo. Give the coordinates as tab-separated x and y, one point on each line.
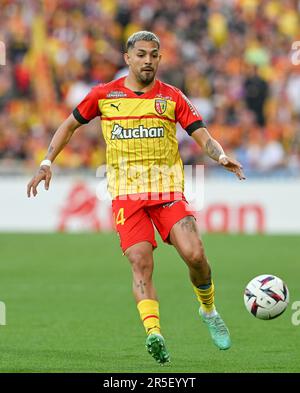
142	149
137	107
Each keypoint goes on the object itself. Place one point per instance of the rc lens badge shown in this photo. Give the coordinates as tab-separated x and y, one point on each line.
160	106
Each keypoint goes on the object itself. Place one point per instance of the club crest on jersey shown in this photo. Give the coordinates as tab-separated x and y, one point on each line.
160	106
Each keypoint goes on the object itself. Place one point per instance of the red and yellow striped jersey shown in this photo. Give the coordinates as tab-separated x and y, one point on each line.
140	133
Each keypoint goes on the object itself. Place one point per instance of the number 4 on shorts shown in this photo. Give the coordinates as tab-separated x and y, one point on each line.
120	216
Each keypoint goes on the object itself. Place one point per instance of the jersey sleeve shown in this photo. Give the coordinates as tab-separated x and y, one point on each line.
88	108
187	115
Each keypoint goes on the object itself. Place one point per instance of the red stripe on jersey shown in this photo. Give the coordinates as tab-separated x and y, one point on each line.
150	316
138	117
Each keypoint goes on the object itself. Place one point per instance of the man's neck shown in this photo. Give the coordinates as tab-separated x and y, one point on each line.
132	84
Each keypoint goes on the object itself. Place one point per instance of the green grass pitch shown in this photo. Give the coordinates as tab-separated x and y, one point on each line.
69	306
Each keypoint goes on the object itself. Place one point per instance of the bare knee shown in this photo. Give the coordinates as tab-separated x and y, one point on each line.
195	257
141	262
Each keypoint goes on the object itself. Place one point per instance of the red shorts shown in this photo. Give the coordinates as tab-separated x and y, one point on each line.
134	218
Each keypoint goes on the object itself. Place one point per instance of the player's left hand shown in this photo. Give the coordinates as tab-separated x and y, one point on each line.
233	166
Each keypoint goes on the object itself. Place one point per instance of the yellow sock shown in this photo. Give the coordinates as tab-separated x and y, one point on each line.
149	313
206	297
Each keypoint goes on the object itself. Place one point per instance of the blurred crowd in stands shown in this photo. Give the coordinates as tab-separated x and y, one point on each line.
232	58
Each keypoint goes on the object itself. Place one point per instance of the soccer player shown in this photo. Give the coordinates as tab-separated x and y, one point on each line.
145	178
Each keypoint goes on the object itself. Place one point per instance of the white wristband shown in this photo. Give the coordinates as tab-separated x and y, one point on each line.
222	156
46	162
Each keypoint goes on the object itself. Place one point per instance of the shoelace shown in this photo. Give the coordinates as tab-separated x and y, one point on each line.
218	324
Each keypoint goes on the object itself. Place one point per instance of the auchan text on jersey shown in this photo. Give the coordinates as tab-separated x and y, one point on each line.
119	132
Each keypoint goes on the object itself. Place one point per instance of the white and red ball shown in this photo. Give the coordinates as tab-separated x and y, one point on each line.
266	296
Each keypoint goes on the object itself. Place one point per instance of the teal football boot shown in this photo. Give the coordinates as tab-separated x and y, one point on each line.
156	346
217	329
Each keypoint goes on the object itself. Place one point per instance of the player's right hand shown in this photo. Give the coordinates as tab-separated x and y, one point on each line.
44	173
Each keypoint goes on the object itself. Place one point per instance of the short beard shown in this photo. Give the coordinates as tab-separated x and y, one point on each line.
146	80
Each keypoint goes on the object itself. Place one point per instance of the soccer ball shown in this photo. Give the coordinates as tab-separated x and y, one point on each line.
266	296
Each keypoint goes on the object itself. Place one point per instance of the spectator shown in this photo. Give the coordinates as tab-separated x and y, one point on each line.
256	92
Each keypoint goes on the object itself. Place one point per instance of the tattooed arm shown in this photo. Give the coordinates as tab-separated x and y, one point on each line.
59	141
62	137
215	151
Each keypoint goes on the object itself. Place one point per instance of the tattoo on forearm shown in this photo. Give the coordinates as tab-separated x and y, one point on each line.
141	286
188	224
213	149
50	150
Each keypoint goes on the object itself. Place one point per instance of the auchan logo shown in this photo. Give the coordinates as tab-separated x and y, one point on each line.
119	132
